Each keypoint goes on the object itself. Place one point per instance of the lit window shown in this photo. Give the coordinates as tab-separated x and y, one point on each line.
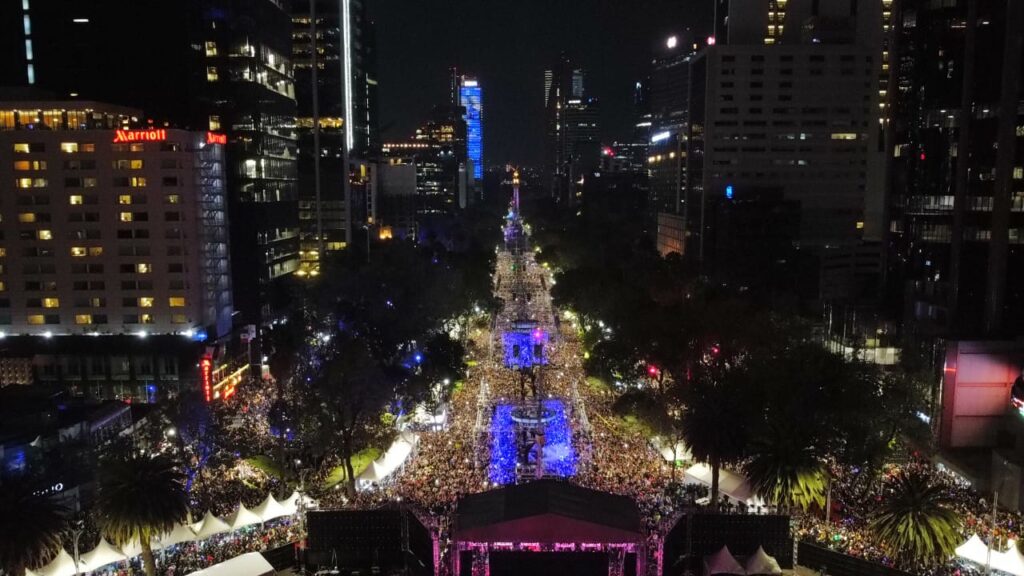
860	225
844	136
146	302
51	303
176	301
95	251
211	73
75	199
124	199
138	182
145	318
69	147
78	251
173	199
22	148
83	318
143	268
136	164
126	216
27	217
44	235
1018	173
211	48
23	165
214	123
23	183
36	319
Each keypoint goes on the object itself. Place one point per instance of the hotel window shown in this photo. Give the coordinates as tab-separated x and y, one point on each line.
179	319
69	147
30	182
22	165
145	318
176	301
75	200
172	199
78	251
27	147
214	123
211	48
211	73
146	302
95	251
126	217
83	319
137	182
27	217
51	303
36	319
44	235
143	268
124	199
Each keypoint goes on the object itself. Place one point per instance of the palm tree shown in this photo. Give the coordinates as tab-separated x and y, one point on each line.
714	419
916	519
140	497
784	469
31	525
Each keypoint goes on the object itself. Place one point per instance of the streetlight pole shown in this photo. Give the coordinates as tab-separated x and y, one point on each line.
76	533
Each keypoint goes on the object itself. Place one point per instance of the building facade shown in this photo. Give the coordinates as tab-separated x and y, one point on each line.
111	229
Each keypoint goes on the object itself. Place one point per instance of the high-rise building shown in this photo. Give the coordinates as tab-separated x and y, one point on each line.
955	221
669	98
220	65
572	142
470	98
112	227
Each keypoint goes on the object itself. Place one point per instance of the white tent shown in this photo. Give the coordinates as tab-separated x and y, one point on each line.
291	504
1011	561
270	509
251	564
242	517
62	565
974	550
180	533
104	553
731	484
392	460
761	564
209	526
722	562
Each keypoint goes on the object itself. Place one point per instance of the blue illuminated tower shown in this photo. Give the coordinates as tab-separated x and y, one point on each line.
470	99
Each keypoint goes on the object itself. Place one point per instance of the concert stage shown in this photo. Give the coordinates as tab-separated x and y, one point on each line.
571	530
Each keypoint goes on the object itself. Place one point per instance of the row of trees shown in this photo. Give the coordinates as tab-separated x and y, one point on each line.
739	381
373	337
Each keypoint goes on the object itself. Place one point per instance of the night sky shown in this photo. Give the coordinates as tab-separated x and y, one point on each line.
508	44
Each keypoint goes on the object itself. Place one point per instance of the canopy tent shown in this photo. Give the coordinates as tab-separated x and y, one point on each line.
242	517
209	526
722	562
180	533
270	509
392	460
761	564
974	550
1011	561
731	484
250	564
104	553
291	504
62	565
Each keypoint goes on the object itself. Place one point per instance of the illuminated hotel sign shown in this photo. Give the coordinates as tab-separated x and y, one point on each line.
152	135
206	372
214	138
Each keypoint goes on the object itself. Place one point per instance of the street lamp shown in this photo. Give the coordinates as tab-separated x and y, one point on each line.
76	533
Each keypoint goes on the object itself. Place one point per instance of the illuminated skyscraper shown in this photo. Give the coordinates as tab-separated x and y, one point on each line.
470	99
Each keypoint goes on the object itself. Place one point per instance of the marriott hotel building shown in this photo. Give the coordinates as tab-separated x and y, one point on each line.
108	226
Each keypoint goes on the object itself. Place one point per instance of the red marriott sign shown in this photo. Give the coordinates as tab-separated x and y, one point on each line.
152	135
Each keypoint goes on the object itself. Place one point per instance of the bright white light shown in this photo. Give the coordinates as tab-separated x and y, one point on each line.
81	20
671	42
47	334
711	40
346	39
142	334
469	83
189	333
3	334
661	136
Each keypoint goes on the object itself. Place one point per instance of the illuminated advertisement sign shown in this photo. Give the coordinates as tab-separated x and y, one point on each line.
206	372
214	138
151	135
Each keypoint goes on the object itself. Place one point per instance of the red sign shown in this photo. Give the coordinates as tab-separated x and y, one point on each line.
151	135
206	370
214	138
